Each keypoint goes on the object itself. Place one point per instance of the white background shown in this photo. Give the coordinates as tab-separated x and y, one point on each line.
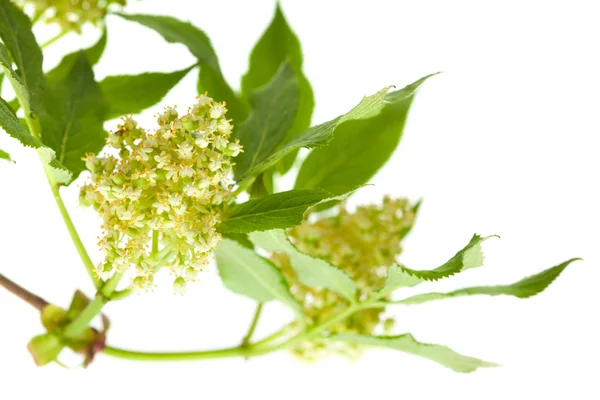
504	142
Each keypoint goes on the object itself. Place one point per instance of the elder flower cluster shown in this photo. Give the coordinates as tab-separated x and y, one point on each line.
70	15
363	244
162	196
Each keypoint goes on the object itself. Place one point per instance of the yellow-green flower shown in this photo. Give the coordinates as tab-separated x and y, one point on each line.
169	186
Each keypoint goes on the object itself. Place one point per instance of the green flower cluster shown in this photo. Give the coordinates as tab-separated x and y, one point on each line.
168	187
70	15
363	244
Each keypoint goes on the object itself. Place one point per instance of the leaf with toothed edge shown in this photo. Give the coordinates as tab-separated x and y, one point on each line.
313	272
522	289
441	354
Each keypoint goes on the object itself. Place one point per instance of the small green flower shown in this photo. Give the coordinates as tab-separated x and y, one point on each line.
163	184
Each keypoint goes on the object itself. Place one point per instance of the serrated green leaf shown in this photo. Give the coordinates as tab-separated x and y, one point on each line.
17	36
246	273
5	156
92	54
470	256
72	124
11	124
45	348
318	135
359	148
523	289
131	94
277	45
211	77
273	109
276	211
312	272
407	343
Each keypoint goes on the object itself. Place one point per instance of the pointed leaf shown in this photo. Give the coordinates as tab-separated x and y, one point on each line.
5	156
523	289
131	94
211	78
16	34
359	148
277	45
11	124
407	343
273	109
64	68
470	256
313	272
276	211
318	135
73	122
246	273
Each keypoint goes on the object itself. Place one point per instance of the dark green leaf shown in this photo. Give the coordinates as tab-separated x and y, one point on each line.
131	94
5	156
527	287
276	211
359	148
73	122
15	32
10	123
470	256
277	45
407	343
319	135
246	273
211	78
312	272
64	68
273	109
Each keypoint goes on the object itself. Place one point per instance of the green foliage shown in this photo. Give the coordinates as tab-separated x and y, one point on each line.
359	148
407	343
273	110
211	77
5	156
523	289
15	32
276	211
131	94
246	273
313	272
75	111
278	45
319	135
11	124
45	348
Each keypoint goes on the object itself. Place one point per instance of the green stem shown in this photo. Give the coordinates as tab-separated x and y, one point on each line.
154	241
52	40
248	336
183	356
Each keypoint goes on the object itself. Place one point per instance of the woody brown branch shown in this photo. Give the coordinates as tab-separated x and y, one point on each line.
23	293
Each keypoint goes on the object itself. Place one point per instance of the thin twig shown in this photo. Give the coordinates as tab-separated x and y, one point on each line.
23	293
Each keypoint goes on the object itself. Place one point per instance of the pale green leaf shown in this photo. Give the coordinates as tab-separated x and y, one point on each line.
73	122
525	288
277	45
211	77
17	36
246	273
359	148
319	135
312	272
276	211
407	343
11	124
45	348
131	94
272	112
